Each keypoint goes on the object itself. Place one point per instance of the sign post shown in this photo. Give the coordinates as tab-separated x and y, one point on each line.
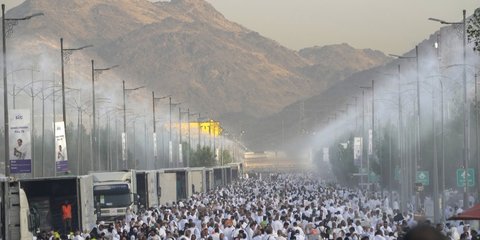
423	177
461	177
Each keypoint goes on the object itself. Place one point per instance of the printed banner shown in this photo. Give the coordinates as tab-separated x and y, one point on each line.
357	151
124	149
170	152
180	153
326	156
20	141
61	160
155	145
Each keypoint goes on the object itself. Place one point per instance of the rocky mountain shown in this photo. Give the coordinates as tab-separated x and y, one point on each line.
296	122
184	48
335	62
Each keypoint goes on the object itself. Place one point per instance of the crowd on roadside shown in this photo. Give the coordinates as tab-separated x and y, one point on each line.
280	207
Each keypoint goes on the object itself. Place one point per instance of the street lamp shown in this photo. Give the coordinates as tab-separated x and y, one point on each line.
124	134
65	57
8	30
96	71
465	114
418	145
170	144
363	131
154	99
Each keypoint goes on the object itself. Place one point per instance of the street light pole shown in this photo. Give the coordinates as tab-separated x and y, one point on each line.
418	147
189	147
465	115
465	103
124	134
155	126
170	145
11	22
94	125
180	146
94	119
64	57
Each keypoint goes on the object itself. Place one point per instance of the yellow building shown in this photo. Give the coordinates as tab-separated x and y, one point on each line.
211	127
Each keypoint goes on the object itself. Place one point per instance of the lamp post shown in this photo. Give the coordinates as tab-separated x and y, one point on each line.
124	134
7	28
465	107
65	57
96	71
170	144
373	117
418	147
154	99
180	150
187	163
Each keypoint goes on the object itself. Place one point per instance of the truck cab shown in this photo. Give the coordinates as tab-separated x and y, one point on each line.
114	194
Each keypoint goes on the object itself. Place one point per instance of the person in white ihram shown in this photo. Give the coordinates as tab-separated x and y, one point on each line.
20	151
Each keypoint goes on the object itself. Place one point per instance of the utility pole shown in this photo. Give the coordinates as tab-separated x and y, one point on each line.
465	114
124	134
403	164
65	57
373	125
199	132
180	150
170	145
154	131
154	99
7	27
465	103
94	137
189	146
436	207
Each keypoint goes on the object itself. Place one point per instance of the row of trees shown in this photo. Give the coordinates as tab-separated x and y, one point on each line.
109	152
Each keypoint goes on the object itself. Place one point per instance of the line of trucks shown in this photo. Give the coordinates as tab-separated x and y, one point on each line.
32	205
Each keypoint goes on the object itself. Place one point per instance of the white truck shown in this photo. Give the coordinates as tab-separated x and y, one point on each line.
17	222
172	185
115	193
47	195
33	205
198	180
147	188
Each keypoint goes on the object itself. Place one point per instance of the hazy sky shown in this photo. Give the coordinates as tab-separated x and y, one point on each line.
393	26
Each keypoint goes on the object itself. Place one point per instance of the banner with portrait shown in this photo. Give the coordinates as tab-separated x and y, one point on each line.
61	160
357	151
20	141
155	145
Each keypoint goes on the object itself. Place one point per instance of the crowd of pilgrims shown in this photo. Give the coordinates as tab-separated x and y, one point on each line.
281	207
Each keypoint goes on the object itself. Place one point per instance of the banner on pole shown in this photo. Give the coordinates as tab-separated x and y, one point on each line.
370	142
357	151
155	145
170	152
180	153
326	156
20	141
61	161
124	149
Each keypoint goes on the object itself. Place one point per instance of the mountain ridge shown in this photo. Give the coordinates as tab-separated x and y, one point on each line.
183	48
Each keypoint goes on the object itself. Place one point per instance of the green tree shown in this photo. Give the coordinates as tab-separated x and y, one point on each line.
225	157
473	30
203	157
